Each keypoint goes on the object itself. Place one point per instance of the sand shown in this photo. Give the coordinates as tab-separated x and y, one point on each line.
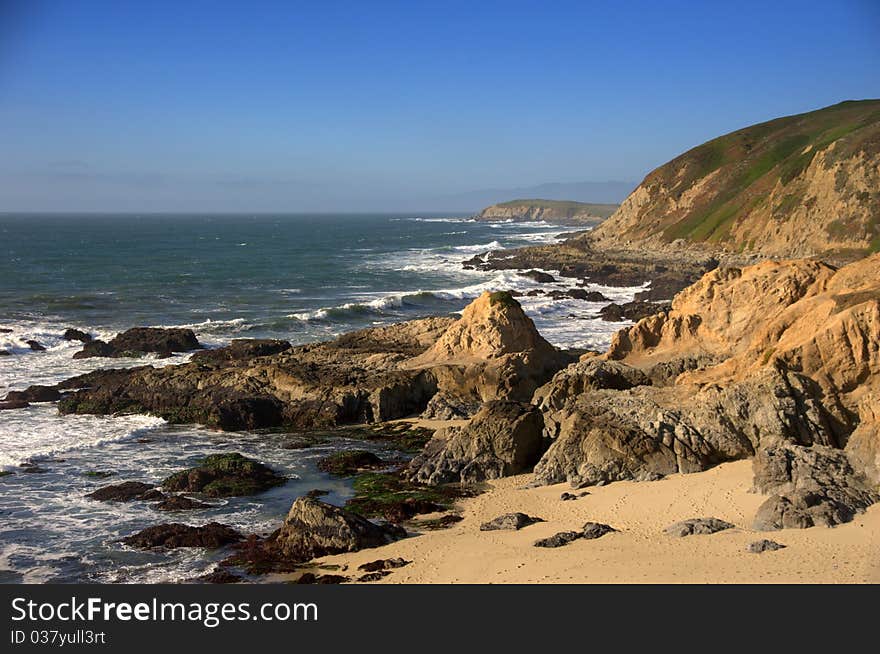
640	552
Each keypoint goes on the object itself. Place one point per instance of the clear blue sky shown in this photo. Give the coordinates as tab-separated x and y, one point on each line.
152	106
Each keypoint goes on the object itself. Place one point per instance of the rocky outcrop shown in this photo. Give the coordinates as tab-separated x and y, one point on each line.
224	475
173	535
504	438
776	357
808	487
313	528
34	394
72	334
557	211
373	375
123	492
138	341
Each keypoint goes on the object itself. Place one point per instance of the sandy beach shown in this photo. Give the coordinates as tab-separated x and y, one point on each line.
640	552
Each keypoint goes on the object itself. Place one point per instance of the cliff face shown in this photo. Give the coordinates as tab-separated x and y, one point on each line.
550	210
802	185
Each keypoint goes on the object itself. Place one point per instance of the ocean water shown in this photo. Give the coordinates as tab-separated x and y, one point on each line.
303	278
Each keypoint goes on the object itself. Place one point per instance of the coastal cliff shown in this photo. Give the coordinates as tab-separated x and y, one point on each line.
554	211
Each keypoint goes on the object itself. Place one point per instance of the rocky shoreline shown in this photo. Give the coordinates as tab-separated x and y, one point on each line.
776	362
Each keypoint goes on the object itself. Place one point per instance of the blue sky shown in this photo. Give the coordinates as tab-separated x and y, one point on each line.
289	106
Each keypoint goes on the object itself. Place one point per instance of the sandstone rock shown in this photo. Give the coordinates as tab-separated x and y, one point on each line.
635	310
697	526
444	406
173	535
560	539
503	439
764	545
514	521
313	529
592	374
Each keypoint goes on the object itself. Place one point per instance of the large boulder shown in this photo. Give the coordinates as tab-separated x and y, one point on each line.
314	528
142	340
503	439
173	535
809	486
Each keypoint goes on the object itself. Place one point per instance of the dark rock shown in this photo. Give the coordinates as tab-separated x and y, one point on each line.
224	475
313	528
172	535
180	503
35	346
596	530
697	526
510	521
587	296
311	578
71	334
634	311
560	539
5	330
810	486
317	492
5	353
34	394
374	576
122	492
17	404
243	349
566	497
503	439
350	462
440	523
142	340
32	468
99	474
220	576
383	564
765	545
538	276
153	495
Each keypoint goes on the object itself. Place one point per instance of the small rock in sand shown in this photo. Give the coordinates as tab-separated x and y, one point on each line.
510	521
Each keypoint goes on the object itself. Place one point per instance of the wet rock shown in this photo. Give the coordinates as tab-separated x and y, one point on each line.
154	495
513	521
440	523
317	492
16	404
220	576
538	276
224	475
98	474
5	353
123	492
503	439
313	528
243	349
5	330
35	346
587	296
560	539
180	503
72	334
350	462
32	468
594	530
142	340
634	311
34	394
697	526
173	535
383	564
765	545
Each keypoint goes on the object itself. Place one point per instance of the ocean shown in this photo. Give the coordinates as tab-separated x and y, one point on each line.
303	278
